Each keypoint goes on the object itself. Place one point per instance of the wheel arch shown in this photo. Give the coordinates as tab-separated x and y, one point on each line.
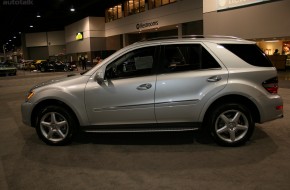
48	102
235	99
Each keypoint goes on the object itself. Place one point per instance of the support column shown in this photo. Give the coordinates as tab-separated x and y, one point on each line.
179	30
125	40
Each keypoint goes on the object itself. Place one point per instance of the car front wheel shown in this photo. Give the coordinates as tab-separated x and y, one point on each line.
231	124
55	126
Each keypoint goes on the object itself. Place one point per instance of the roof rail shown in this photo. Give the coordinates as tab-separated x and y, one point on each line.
210	36
189	36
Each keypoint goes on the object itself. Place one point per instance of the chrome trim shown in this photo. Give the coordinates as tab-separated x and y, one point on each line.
142	106
176	103
139	106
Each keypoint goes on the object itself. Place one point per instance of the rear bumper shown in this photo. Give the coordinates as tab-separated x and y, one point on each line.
272	109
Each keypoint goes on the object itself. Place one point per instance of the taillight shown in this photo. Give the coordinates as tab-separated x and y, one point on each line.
271	85
279	107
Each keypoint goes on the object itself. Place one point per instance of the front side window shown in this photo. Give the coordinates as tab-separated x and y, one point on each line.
186	57
136	63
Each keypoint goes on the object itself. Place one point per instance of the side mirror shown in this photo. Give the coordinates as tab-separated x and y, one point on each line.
99	78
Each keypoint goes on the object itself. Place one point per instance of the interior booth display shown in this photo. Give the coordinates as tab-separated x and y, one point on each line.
279	61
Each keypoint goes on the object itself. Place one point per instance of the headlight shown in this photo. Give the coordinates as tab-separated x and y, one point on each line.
29	95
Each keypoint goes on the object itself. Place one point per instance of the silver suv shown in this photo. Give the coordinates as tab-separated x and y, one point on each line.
222	85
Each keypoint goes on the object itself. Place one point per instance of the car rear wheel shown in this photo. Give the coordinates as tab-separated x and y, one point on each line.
55	125
231	124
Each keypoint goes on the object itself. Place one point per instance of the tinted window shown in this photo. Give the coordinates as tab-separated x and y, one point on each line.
250	53
185	57
133	64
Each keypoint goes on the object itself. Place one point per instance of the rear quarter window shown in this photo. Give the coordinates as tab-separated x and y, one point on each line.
250	53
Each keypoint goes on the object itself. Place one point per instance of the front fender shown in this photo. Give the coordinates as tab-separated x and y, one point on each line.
71	95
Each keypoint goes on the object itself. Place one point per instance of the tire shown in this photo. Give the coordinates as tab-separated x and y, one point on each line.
42	69
55	125
231	124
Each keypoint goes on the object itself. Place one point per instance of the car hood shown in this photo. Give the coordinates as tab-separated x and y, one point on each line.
55	81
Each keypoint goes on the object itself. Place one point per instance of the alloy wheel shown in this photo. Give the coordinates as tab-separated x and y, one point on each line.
231	126
54	127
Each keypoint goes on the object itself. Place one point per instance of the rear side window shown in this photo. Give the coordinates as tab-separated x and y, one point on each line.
250	53
187	57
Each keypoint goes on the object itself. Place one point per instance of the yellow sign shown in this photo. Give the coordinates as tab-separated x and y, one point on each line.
79	36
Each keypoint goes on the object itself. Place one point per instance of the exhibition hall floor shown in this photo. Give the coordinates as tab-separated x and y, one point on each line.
138	161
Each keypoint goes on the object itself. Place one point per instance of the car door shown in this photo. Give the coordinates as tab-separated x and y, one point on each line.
189	76
127	94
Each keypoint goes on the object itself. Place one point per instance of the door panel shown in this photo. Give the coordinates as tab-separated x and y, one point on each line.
127	95
190	76
120	101
180	97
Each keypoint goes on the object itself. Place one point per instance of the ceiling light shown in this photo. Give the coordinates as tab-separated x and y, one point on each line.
72	9
31	26
38	15
272	41
14	37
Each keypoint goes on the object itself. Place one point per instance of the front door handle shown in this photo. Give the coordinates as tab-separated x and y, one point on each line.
145	86
214	78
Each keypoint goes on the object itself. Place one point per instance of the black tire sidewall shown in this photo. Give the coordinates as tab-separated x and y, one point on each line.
66	114
223	108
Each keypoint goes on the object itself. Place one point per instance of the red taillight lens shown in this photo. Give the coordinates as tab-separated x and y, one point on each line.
271	85
279	107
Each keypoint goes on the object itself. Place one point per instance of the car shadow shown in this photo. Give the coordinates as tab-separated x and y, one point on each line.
137	138
164	151
154	138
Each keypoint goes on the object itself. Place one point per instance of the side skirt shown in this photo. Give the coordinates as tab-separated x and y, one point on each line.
164	127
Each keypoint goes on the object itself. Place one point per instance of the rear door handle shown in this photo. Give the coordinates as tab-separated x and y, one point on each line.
214	78
145	86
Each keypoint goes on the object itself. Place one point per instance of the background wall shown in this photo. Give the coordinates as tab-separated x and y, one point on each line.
257	21
56	50
56	38
99	36
36	39
193	28
93	29
114	42
41	45
38	53
172	14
